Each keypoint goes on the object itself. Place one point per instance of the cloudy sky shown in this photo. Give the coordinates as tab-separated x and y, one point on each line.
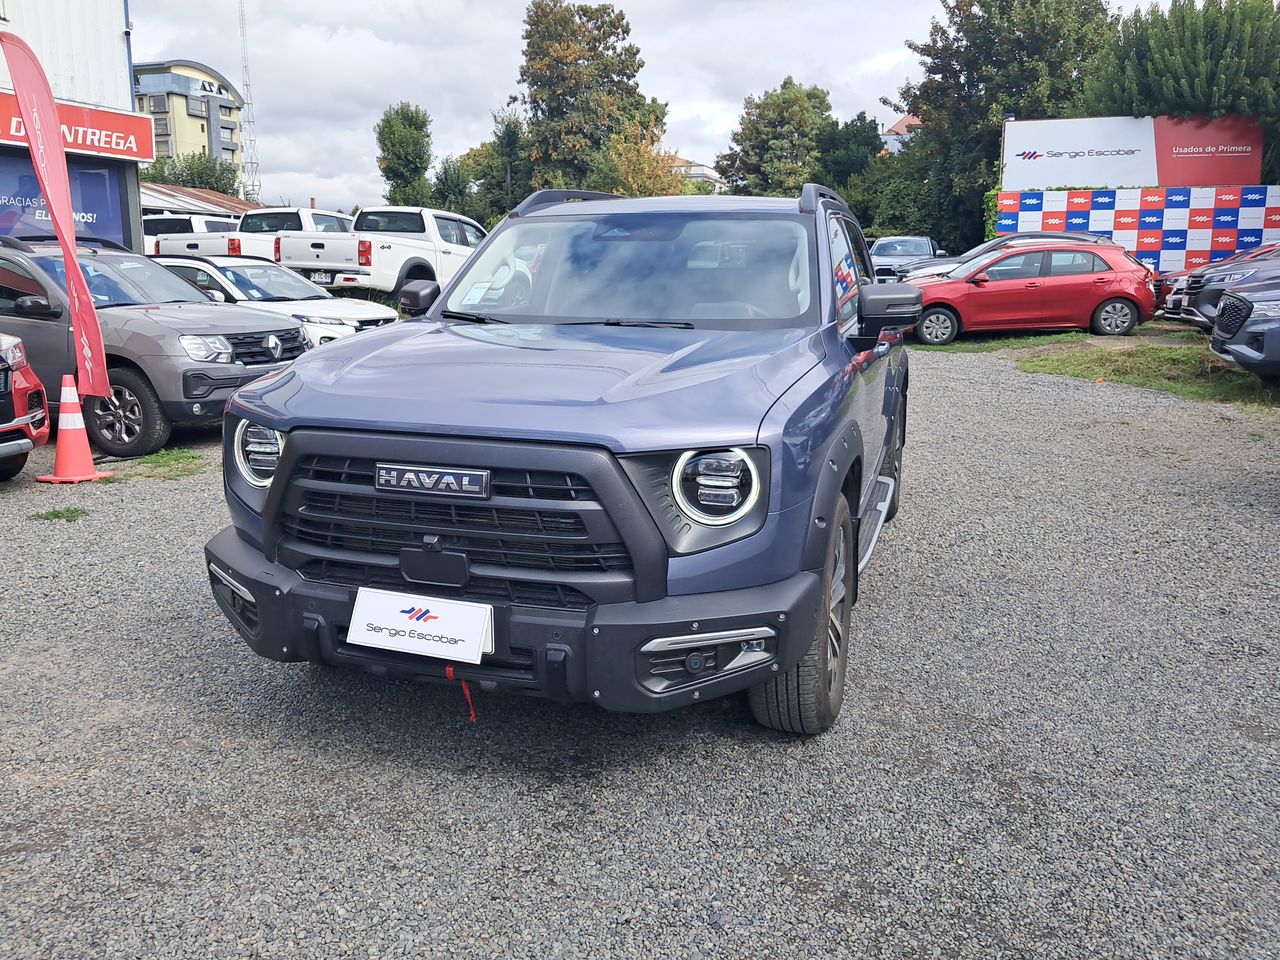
323	70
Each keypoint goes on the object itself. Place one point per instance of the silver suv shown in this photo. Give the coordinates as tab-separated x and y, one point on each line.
174	355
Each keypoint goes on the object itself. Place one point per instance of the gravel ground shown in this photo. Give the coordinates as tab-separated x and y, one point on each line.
1061	739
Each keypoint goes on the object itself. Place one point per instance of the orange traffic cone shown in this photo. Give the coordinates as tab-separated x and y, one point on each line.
72	461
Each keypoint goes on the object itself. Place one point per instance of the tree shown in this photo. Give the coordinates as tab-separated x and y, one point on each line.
404	153
987	59
634	164
579	75
1193	60
200	170
775	148
846	149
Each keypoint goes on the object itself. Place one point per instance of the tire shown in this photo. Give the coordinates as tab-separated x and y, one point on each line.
937	326
808	697
10	467
138	428
893	463
1114	318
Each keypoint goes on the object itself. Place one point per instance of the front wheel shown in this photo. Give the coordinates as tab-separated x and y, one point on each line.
132	423
10	467
1115	318
937	326
807	698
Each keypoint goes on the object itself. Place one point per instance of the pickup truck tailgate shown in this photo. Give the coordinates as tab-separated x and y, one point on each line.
201	244
318	256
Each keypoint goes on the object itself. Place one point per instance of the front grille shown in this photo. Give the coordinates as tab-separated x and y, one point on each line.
440	516
478	589
1195	283
251	348
35	404
1232	313
525	484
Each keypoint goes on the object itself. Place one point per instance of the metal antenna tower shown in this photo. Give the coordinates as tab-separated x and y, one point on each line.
248	137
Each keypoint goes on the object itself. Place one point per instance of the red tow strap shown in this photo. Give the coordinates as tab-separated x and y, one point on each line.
466	691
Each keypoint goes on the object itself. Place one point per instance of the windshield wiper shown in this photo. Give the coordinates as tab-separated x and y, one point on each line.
471	317
278	299
615	322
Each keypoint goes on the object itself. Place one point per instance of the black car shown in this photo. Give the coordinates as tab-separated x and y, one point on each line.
936	266
1246	329
1198	303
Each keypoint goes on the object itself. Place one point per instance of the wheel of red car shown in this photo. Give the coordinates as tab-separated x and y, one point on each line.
10	467
132	424
1114	318
937	326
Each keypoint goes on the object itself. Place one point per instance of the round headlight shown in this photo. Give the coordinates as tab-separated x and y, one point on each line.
258	450
715	487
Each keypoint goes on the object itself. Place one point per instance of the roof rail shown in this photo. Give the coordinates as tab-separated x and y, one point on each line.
547	198
86	240
14	243
815	192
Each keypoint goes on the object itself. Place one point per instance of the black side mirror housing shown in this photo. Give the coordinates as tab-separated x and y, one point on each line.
35	307
888	305
417	296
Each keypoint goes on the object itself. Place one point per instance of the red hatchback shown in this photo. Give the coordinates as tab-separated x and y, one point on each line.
1051	286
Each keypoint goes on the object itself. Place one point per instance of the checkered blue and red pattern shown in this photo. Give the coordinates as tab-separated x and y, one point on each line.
1168	228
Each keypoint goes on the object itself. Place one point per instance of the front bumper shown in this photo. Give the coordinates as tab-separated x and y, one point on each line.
605	654
1255	348
206	388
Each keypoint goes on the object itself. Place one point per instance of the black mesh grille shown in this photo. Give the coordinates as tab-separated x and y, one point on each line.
1232	313
477	590
440	517
525	484
251	348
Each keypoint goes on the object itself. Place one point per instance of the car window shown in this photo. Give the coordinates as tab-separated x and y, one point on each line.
472	234
1066	263
158	225
390	221
268	282
327	224
450	231
346	224
123	279
195	275
270	222
219	226
1021	266
902	247
843	269
17	281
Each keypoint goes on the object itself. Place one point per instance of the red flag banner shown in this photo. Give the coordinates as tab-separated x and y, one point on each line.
44	140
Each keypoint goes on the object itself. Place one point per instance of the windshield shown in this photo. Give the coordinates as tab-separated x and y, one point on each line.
266	281
966	267
270	222
122	280
902	247
725	271
982	248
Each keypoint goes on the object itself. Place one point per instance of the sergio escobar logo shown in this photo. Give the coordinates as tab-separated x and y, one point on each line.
414	634
1077	154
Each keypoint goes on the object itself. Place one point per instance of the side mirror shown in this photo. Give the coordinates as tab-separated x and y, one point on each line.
941	253
217	296
417	296
888	305
35	307
979	278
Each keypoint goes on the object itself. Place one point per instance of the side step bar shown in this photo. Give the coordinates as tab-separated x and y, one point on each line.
873	522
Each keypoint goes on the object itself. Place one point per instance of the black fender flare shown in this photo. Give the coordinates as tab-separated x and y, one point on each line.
411	264
842	453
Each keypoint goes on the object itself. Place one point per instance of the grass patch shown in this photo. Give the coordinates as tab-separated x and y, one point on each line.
977	343
1192	371
70	514
172	464
1195	336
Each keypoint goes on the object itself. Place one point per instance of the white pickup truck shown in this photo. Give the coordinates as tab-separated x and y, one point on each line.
390	246
255	235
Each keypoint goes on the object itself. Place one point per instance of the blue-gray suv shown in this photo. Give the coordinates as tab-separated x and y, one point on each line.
634	454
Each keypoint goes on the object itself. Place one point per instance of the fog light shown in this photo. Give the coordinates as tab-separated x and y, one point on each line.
695	662
197	409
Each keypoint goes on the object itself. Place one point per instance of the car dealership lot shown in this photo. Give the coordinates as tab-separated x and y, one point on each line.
1061	736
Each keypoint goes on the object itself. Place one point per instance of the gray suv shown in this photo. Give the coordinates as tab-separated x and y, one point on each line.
174	355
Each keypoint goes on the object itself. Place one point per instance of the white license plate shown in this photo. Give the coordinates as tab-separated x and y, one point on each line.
426	626
321	276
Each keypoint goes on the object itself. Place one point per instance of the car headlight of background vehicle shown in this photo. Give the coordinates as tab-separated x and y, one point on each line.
327	321
14	355
716	488
703	498
1234	277
206	349
257	452
1267	308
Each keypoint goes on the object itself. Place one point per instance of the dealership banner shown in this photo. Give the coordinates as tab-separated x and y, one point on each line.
100	133
1112	152
1167	228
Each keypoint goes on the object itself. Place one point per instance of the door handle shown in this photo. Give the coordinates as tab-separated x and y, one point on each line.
1100	280
1034	283
447	253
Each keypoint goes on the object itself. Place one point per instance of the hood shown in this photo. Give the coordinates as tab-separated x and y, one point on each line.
330	308
625	388
1264	291
934	266
931	280
203	318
